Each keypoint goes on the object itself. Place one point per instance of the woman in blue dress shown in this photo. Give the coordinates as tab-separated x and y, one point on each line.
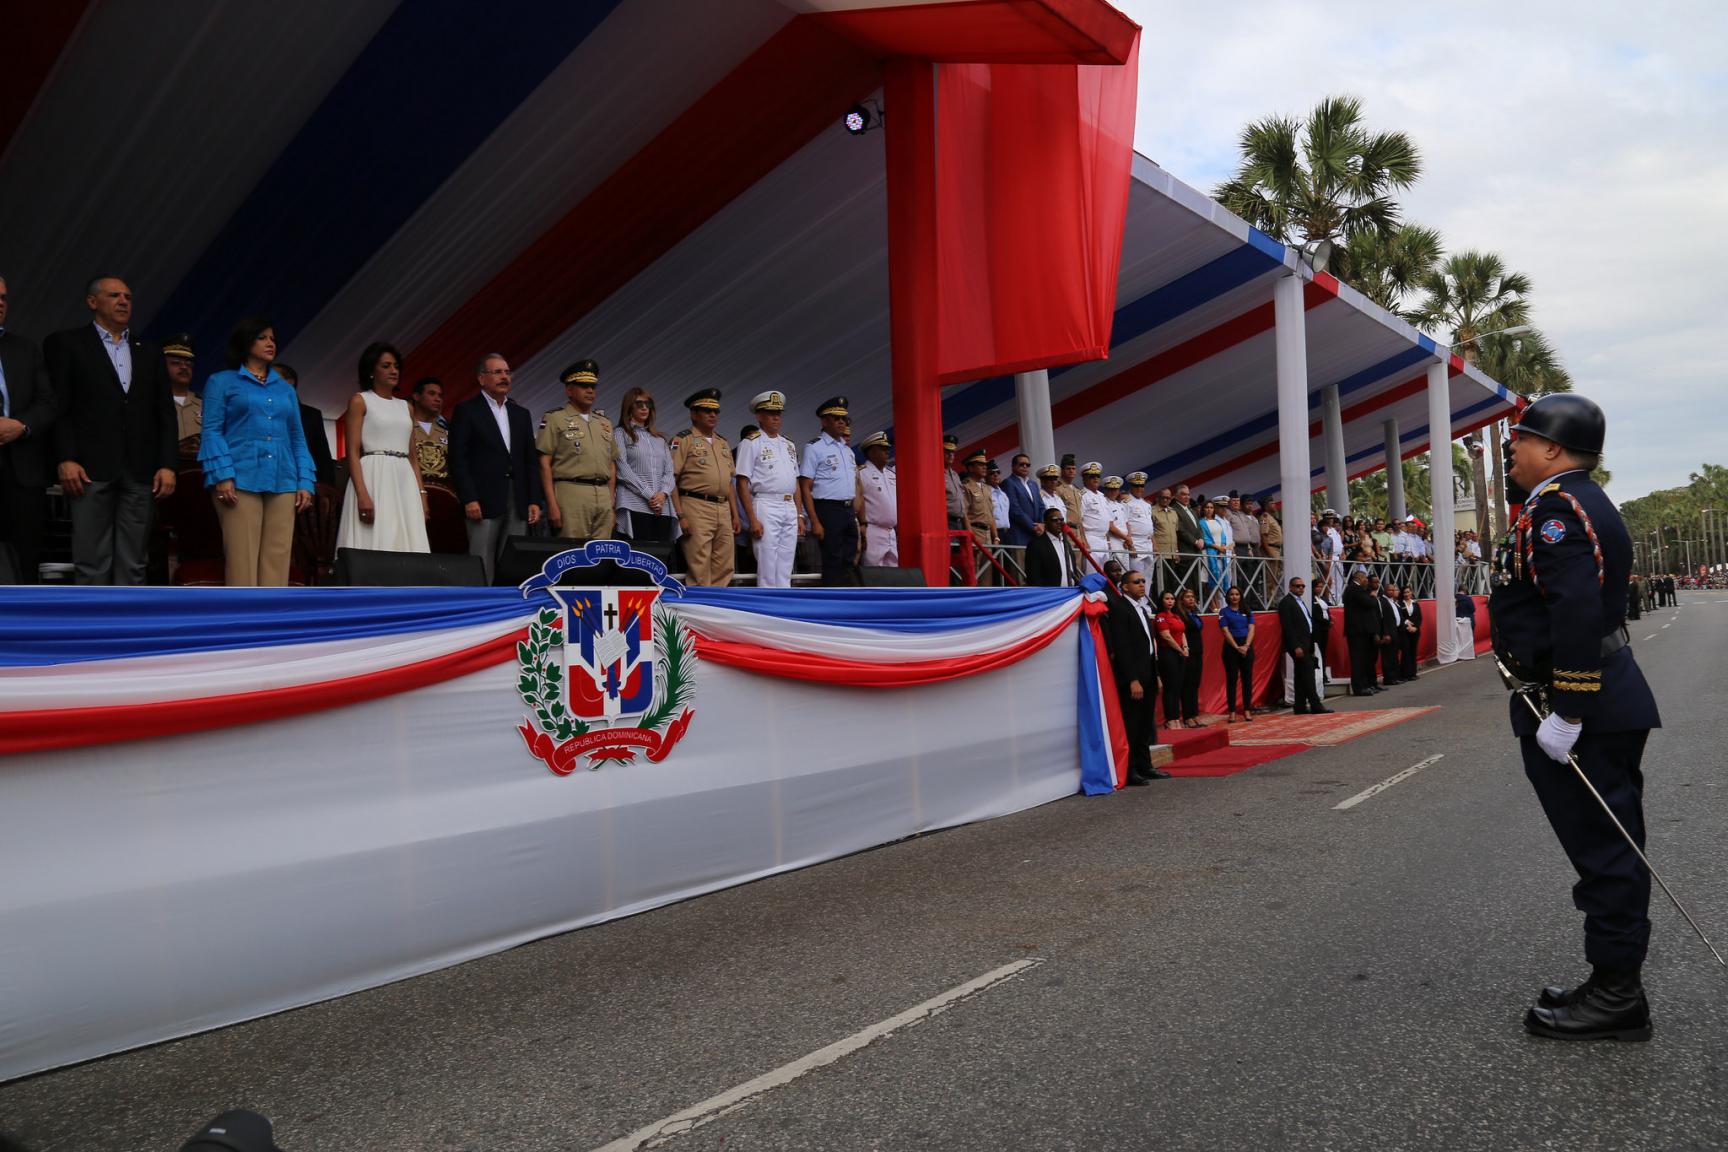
1216	542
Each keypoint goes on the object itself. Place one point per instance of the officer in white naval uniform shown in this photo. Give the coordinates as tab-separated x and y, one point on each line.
878	504
1095	512
766	471
1139	526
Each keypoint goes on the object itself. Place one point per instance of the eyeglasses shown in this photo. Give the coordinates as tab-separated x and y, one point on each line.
644	404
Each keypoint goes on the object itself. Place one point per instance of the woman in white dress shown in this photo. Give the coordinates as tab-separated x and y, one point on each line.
385	508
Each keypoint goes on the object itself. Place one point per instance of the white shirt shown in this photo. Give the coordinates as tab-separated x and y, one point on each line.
769	463
1141	610
1051	500
119	349
999	506
880	489
1334	544
1094	514
1221	534
1119	516
1139	523
501	414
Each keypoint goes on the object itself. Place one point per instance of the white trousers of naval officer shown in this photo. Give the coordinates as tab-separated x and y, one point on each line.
881	546
779	542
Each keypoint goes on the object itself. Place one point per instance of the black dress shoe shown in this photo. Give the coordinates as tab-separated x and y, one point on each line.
1160	774
1609	1006
1135	780
1323	711
1298	711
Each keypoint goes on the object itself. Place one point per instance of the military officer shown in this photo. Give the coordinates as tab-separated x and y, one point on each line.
828	479
578	459
431	434
1069	491
1094	512
980	516
1050	489
953	494
878	504
189	409
767	478
1139	526
1272	543
1558	611
1118	531
702	471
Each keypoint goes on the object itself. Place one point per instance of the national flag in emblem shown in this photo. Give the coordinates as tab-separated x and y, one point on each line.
609	651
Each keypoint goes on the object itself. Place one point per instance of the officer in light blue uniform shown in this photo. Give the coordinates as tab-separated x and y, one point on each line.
828	479
1558	610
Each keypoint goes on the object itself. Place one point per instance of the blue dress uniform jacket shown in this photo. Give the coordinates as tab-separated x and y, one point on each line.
1559	599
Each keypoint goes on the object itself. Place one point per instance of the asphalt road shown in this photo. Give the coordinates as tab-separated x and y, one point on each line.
1222	963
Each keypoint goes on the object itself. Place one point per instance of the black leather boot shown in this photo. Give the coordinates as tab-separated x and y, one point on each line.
1556	996
1609	1006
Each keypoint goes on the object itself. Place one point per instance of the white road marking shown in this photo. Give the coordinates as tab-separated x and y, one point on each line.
1387	783
733	1099
1670	624
1652	636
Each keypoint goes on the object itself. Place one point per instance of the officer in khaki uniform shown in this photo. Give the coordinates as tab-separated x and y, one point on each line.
188	409
1069	491
578	459
980	515
702	470
1272	544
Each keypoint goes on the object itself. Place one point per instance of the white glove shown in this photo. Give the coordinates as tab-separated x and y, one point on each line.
1557	735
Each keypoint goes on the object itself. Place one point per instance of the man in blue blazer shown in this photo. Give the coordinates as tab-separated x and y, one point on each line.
492	463
1025	504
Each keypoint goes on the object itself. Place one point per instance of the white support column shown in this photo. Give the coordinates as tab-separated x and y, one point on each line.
1394	472
1440	484
1290	341
1037	433
1332	425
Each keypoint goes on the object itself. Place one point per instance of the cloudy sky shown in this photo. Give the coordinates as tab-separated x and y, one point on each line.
1587	143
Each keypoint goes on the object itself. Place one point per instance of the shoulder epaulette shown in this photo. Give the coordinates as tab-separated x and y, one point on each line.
1554	487
813	439
754	434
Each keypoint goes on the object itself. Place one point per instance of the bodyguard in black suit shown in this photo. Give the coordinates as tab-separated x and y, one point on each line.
1298	638
26	420
1558	610
494	477
116	435
1050	560
1388	639
1136	671
1361	631
312	424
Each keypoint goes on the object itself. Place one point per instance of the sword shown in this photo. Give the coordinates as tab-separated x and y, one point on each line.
1527	693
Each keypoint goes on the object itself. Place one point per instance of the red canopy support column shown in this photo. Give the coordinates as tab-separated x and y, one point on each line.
910	90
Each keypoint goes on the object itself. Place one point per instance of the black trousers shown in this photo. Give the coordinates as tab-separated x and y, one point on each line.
1407	654
1238	666
1389	661
1363	651
649	528
1140	722
1307	699
1613	889
23	512
1191	668
839	540
1170	673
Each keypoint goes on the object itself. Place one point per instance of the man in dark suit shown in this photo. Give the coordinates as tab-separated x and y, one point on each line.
312	424
1050	559
1298	636
1131	659
116	434
1025	503
1188	545
1361	631
26	416
492	463
1391	620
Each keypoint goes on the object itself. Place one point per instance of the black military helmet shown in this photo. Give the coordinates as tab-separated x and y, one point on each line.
1568	420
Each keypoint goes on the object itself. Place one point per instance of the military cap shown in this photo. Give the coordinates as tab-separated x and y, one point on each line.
1093	468
995	469
876	440
1136	478
582	372
978	457
748	431
1068	460
179	344
950	444
834	407
1112	481
1049	472
1234	495
706	399
769	402
1329	512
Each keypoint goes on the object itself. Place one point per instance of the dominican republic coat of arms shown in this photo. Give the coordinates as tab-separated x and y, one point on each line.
610	671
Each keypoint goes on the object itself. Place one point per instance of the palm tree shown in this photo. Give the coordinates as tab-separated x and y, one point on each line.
1327	178
1387	267
1469	295
1527	364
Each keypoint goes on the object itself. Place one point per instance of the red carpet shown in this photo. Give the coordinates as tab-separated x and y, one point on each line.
1187	742
1230	759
